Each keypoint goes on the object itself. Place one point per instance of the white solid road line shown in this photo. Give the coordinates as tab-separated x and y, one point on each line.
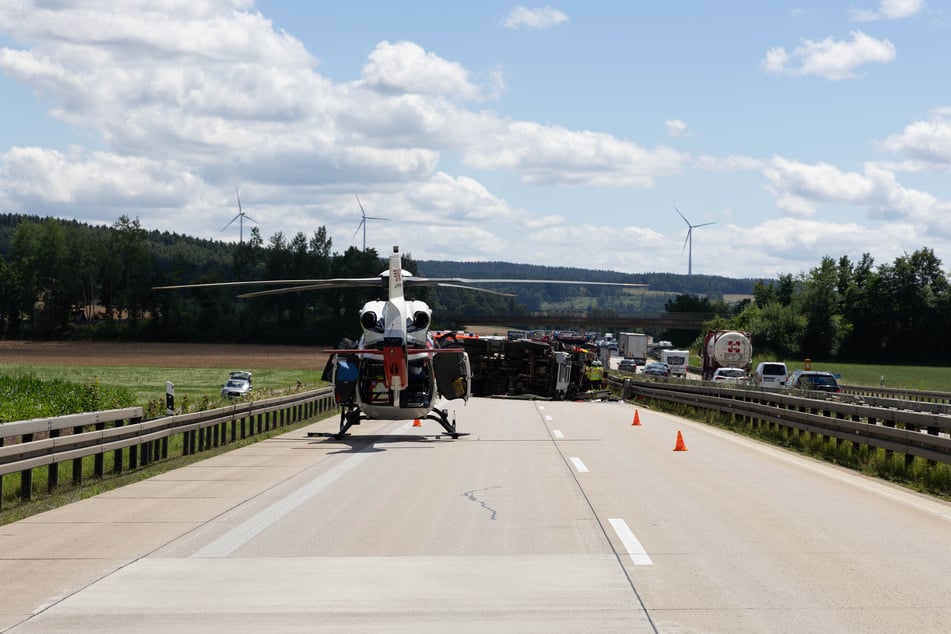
638	555
253	526
579	465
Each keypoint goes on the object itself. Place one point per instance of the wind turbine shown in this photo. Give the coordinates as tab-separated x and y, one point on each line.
363	223
239	217
689	240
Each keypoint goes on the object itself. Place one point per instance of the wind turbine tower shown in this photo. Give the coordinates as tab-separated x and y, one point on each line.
363	223
239	217
688	241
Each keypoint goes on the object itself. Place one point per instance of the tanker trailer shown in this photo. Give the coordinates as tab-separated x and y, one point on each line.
725	349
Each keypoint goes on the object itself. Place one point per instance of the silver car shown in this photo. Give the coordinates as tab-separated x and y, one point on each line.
730	375
238	384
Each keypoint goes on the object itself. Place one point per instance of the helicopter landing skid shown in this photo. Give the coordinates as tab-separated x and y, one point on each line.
349	416
441	416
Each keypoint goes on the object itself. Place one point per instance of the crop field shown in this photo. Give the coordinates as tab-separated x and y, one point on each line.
196	370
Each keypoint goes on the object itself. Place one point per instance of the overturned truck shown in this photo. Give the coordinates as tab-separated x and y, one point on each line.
525	367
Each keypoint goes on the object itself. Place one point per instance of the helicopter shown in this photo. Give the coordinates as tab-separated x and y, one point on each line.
398	369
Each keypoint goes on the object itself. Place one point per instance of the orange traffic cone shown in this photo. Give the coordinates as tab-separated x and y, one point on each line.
637	419
417	423
680	446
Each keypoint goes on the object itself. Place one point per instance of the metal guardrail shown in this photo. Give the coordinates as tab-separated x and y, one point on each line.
49	442
912	428
900	394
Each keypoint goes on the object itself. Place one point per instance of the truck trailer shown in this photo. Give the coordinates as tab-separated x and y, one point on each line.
633	345
725	349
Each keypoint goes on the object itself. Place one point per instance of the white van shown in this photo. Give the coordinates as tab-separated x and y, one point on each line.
676	360
770	374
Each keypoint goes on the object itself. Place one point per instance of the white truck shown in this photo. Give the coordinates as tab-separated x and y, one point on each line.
633	345
676	360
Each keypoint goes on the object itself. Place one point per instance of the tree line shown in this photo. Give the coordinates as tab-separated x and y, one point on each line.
853	311
65	279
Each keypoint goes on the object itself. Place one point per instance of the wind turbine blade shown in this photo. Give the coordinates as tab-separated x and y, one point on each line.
361	206
682	216
247	217
232	221
239	199
686	239
358	228
705	224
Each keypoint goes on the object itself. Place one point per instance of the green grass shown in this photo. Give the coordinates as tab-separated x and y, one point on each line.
199	388
916	473
909	377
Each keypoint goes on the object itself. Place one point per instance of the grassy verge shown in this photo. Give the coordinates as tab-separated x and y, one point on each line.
909	377
917	474
196	389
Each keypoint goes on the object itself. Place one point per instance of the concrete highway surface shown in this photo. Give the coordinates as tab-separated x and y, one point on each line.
549	517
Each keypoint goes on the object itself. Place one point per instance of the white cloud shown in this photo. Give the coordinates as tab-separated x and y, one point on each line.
675	127
181	101
926	141
888	10
799	189
538	19
405	67
829	58
555	155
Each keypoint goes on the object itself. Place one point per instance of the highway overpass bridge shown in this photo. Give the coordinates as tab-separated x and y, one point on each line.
585	321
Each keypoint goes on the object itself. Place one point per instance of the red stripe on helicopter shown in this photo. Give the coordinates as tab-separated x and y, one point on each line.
394	366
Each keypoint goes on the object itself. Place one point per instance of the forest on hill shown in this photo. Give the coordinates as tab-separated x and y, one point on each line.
63	279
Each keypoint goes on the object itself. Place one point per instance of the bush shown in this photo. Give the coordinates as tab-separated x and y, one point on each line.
24	396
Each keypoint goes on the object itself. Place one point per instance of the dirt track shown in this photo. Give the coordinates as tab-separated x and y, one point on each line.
185	355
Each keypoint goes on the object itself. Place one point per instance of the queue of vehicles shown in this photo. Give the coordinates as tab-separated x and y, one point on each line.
565	362
727	356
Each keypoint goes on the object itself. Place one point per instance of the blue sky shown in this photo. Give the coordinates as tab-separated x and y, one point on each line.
563	134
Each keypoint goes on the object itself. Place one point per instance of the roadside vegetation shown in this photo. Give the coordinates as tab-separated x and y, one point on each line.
916	473
74	389
855	312
908	377
25	395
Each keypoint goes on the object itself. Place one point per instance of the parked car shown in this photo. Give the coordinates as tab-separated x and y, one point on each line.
813	380
238	384
655	368
770	374
731	375
627	365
